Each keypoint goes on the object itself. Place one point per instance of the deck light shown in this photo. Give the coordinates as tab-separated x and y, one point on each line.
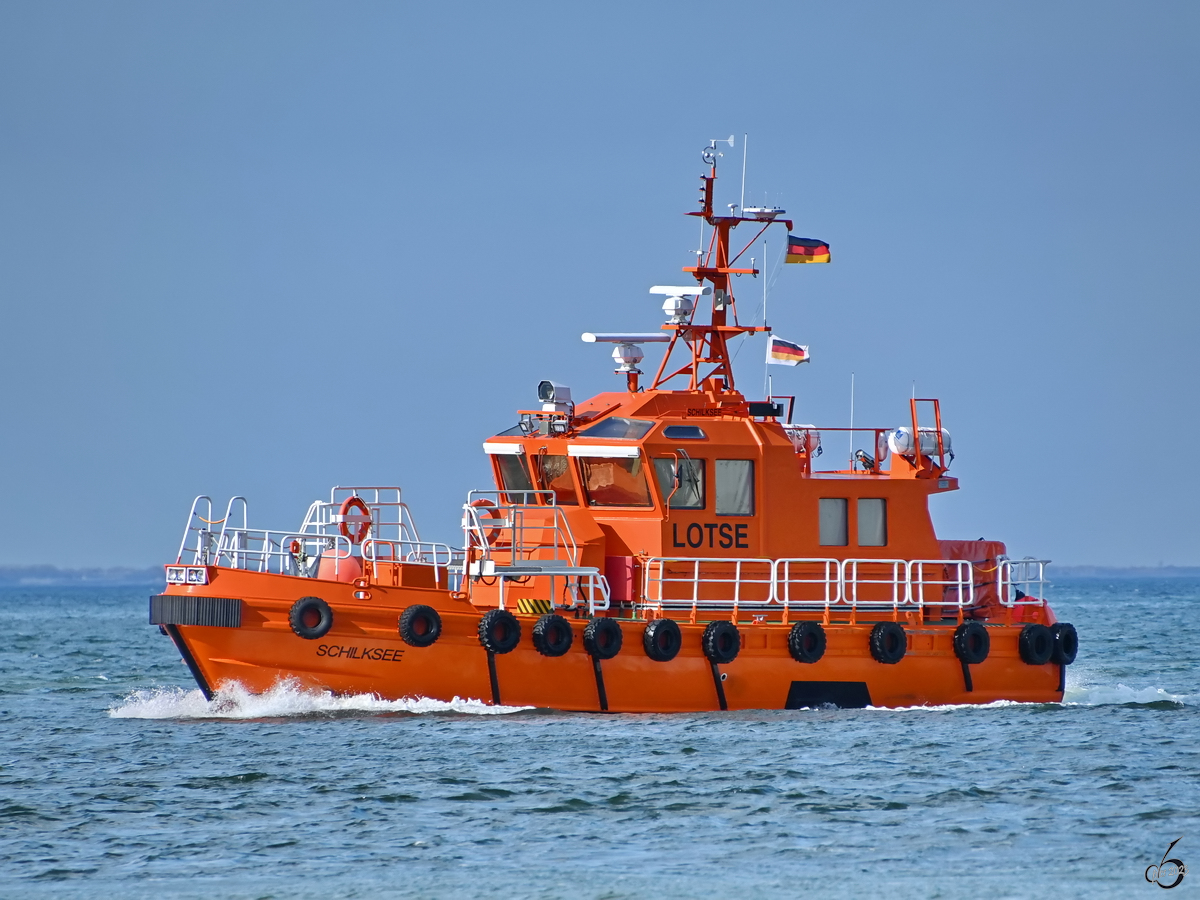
555	397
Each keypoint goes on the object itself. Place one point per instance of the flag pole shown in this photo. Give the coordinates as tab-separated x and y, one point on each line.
745	141
851	421
767	359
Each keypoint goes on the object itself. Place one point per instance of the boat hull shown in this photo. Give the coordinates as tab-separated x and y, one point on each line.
362	653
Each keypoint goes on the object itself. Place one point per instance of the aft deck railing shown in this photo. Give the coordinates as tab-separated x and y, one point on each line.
944	585
1021	582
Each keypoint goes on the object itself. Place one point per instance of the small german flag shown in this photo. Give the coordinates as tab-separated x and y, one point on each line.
806	250
785	353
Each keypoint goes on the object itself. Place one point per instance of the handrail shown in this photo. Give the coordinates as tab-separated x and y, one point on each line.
656	574
1028	572
837	584
262	550
511	531
411	553
200	551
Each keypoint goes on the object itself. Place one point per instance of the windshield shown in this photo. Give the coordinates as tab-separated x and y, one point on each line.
616	428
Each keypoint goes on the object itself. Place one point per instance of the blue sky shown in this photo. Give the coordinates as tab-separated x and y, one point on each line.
266	248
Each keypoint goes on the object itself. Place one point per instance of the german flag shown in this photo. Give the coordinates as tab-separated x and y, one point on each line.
806	250
785	353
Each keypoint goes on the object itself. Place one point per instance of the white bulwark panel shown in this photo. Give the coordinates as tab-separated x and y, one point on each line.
608	451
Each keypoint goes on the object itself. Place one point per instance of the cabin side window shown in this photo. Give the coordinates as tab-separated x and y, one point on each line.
554	474
735	487
682	481
835	530
872	522
514	474
615	482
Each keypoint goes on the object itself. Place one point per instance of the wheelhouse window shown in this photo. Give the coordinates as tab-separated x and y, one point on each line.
682	481
615	482
735	487
514	473
617	428
554	474
872	522
835	526
684	432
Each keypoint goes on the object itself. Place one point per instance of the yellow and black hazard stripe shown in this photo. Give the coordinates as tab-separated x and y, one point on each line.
531	607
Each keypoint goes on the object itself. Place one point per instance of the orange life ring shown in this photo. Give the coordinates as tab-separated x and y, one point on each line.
355	532
493	511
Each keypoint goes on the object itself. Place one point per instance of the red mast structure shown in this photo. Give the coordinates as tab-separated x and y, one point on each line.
708	343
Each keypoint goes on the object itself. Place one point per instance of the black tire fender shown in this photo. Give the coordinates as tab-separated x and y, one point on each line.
972	643
889	643
806	642
602	638
1066	643
310	618
552	635
499	631
1036	644
721	642
662	640
420	625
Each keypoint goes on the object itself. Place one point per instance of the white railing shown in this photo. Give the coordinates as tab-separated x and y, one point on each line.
440	557
1021	582
518	530
952	581
199	539
708	582
391	519
891	576
827	583
587	588
797	580
279	552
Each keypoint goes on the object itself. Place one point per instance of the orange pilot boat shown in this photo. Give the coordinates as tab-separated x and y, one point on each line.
663	548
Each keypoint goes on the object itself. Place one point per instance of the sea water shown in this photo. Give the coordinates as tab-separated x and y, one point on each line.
117	779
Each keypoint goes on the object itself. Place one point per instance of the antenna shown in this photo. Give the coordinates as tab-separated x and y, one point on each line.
745	146
710	154
852	466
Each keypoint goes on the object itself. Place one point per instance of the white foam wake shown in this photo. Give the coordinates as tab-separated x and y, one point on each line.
285	699
1114	694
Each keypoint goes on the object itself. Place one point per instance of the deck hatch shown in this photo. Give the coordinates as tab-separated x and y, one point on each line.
171	609
815	694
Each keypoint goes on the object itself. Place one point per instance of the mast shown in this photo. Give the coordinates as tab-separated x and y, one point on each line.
707	343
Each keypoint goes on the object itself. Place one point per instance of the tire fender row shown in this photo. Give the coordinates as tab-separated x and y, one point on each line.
500	632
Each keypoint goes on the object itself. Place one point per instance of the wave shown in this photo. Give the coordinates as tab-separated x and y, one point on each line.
1120	694
285	700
